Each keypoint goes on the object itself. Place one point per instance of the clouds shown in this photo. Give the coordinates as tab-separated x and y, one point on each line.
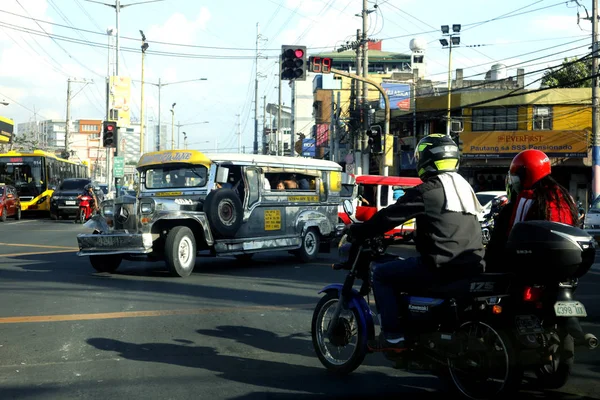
179	29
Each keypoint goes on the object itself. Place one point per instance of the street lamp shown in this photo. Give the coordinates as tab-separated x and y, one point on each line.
184	140
191	123
159	85
172	126
453	42
144	48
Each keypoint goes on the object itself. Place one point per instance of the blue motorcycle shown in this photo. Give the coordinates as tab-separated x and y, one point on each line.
473	331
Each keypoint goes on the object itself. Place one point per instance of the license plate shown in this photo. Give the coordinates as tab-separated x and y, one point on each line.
70	202
569	309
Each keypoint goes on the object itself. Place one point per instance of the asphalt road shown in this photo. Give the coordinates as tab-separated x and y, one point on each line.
230	331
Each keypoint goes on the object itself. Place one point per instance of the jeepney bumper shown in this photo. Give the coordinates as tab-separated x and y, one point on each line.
114	243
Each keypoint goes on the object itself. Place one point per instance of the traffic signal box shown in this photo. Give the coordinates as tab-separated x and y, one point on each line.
109	134
293	63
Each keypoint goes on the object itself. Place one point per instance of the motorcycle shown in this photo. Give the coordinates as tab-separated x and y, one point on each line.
487	225
474	332
85	208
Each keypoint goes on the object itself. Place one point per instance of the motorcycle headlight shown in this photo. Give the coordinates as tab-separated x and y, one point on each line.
107	210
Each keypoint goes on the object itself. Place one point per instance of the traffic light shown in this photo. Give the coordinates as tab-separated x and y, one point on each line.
375	141
109	134
293	63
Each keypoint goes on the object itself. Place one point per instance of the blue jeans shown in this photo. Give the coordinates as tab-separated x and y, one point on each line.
391	277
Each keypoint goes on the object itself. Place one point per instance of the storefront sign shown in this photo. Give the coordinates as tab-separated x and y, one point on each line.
507	144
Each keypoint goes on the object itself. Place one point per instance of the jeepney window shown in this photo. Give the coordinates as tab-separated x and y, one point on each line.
384	195
168	177
252	176
282	180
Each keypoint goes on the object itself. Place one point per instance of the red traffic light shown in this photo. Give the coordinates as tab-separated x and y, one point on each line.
299	53
109	127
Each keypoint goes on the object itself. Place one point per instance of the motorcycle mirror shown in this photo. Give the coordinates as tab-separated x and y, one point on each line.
348	207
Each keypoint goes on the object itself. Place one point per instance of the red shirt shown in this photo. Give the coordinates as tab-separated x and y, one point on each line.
559	210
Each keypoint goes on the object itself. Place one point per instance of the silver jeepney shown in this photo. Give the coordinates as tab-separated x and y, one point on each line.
226	205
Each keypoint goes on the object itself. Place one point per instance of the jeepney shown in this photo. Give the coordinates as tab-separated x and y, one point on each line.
224	204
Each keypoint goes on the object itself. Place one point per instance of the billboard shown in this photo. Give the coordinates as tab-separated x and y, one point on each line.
399	95
322	134
507	144
308	148
120	99
7	127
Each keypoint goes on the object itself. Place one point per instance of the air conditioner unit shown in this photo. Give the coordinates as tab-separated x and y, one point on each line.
456	126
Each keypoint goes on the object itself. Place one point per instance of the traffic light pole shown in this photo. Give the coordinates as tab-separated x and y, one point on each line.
386	127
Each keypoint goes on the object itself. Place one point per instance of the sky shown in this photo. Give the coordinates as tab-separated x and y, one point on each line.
44	42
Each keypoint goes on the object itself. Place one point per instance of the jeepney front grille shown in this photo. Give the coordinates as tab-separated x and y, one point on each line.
125	217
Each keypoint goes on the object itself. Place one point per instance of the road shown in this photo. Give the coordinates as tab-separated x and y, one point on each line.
227	332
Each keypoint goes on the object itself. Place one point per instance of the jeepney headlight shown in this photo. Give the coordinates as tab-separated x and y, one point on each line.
107	211
146	208
147	239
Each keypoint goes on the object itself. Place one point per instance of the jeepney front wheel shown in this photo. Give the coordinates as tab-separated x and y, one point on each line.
180	251
107	263
309	250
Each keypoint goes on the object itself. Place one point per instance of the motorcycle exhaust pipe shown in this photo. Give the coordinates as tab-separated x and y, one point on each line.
591	341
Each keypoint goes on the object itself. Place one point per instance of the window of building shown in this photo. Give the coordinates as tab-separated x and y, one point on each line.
542	117
495	119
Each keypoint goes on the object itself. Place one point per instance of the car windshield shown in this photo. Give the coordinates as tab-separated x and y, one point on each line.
485	198
77	184
175	177
595	207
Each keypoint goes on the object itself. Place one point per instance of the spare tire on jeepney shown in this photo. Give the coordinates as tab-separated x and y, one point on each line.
224	211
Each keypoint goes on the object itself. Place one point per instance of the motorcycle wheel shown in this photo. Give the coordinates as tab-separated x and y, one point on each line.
555	374
346	349
81	216
486	366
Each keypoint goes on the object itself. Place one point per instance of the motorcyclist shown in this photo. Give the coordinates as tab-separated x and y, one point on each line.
533	195
448	237
88	190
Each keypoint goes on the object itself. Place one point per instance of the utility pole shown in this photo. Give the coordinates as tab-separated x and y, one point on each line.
332	137
595	111
68	124
264	130
359	137
158	133
293	121
278	138
365	87
144	48
239	133
256	92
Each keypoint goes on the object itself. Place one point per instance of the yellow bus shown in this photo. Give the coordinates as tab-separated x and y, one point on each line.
36	174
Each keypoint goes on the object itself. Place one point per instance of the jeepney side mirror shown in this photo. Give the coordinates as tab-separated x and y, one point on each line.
348	207
222	174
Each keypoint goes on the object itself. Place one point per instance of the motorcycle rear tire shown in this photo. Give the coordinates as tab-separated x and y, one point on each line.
560	377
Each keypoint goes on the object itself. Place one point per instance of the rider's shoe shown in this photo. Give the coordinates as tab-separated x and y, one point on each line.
382	344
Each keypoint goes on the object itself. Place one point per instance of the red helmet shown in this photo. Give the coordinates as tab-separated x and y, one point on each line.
530	166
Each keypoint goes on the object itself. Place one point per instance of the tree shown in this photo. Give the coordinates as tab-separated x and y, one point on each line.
570	74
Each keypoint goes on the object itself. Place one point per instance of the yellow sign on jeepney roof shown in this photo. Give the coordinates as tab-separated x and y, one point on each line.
172	157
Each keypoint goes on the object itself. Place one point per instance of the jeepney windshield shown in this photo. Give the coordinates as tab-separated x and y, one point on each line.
170	177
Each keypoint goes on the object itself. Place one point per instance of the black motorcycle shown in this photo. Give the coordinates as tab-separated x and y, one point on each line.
487	225
478	332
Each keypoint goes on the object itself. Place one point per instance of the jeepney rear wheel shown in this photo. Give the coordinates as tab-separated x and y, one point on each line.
224	211
180	251
106	263
309	250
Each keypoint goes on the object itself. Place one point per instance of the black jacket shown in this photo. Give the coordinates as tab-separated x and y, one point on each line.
443	238
495	251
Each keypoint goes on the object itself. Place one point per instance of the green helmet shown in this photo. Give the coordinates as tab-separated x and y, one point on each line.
435	154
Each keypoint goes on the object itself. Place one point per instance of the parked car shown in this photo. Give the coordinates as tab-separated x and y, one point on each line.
64	201
10	205
485	199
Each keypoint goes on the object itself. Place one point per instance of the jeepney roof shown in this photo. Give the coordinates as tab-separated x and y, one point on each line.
388	180
173	157
273	161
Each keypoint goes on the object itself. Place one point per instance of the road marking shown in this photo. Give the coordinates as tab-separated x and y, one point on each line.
23	221
34	253
137	314
43	246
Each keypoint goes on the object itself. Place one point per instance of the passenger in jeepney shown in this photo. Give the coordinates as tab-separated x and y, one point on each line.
280	186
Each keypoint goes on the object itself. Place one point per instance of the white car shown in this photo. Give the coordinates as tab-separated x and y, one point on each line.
485	199
591	222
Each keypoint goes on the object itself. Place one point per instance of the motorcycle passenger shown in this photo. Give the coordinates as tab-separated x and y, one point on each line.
88	190
533	195
448	237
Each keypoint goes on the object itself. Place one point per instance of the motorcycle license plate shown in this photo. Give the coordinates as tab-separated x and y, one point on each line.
569	309
70	202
